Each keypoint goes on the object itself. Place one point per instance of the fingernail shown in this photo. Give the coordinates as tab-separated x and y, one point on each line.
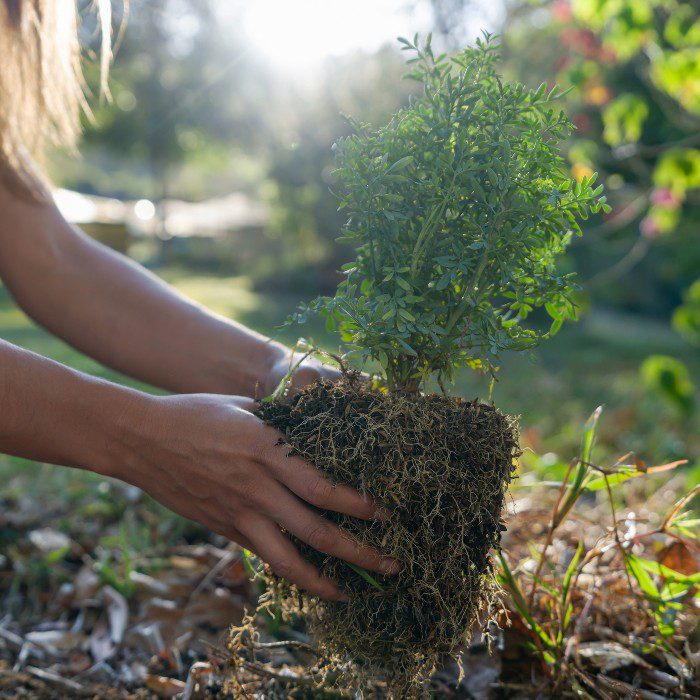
389	566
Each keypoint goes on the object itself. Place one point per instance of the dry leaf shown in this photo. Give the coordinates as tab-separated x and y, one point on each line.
164	686
56	642
48	540
145	585
678	557
609	656
117	613
101	645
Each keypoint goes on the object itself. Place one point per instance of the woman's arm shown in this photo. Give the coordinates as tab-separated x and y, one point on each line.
206	457
123	316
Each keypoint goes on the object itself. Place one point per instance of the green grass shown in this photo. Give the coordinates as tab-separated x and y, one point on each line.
591	363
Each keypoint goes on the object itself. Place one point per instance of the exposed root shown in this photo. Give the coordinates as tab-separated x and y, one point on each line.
443	466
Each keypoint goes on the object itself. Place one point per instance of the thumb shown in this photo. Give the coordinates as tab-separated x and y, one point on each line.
244	402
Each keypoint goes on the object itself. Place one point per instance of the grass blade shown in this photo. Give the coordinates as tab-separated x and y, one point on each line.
578	482
570	570
366	576
509	581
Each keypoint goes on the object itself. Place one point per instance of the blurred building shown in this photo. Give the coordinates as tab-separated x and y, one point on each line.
224	230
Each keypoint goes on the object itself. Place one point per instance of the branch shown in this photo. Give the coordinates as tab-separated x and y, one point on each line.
635	254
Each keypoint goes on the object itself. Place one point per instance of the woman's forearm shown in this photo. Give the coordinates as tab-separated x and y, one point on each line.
51	413
117	312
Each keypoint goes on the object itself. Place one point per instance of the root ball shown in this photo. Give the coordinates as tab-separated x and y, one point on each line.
442	465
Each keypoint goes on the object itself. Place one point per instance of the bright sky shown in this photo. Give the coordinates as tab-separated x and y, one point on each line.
298	34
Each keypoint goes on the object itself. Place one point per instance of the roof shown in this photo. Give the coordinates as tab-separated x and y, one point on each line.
208	218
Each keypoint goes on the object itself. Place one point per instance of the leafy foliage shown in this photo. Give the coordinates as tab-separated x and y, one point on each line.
686	318
459	208
670	379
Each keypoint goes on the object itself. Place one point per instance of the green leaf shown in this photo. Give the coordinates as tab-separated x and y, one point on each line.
366	576
406	346
626	473
655	567
637	570
549	658
555	326
509	581
589	432
577	484
571	569
400	164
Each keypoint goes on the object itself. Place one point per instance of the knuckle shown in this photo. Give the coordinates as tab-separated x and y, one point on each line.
283	568
320	538
319	491
368	557
270	451
251	491
261	451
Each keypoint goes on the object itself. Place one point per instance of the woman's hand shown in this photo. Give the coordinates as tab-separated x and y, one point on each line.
309	371
207	457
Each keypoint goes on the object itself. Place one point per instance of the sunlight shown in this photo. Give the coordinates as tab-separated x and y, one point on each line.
297	36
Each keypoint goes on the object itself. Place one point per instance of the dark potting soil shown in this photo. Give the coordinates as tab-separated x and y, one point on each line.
443	466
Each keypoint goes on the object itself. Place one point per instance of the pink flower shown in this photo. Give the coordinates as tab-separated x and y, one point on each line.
649	228
665	198
561	10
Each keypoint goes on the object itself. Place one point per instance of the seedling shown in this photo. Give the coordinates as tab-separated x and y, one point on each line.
459	208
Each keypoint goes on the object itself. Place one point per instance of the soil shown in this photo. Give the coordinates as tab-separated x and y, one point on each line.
442	465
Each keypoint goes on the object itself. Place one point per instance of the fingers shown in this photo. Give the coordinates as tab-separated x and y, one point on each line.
310	485
327	537
204	516
306	481
284	559
234	535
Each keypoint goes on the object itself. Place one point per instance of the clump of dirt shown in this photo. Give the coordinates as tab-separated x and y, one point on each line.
443	466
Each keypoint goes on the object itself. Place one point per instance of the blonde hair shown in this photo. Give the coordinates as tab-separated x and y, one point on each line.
42	91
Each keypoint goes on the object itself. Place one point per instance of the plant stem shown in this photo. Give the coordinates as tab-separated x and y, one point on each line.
459	311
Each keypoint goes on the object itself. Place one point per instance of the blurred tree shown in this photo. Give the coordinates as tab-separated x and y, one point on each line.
303	123
635	67
669	379
450	18
193	114
185	92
